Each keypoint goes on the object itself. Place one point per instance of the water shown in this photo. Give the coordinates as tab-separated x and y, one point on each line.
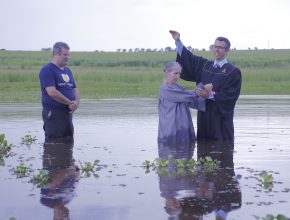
122	135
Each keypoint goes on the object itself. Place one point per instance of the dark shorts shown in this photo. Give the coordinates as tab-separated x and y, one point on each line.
57	124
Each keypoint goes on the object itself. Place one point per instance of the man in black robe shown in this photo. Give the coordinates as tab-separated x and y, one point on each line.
216	123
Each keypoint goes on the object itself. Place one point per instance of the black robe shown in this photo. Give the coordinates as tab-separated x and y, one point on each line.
217	122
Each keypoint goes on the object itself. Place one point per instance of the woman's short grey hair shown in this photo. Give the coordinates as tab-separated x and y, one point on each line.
171	65
57	47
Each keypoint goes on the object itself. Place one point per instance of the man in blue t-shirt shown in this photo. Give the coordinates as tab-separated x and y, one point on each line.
60	96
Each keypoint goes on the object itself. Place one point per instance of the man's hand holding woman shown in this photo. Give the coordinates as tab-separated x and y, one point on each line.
206	91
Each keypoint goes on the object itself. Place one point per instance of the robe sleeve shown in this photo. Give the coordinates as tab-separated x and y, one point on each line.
178	94
192	65
227	96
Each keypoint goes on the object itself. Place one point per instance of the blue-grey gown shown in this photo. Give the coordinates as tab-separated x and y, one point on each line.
175	122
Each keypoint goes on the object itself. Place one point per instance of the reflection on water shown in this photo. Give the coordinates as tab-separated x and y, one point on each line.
193	194
122	134
224	188
58	161
183	150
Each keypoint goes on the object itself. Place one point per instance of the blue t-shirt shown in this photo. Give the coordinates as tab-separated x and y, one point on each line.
62	80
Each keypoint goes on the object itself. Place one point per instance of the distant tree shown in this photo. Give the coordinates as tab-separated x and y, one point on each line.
119	50
161	50
142	50
124	50
256	48
130	50
168	49
2	49
148	50
136	50
249	48
46	49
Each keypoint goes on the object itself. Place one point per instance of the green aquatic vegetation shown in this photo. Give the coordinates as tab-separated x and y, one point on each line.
41	179
147	165
5	148
208	164
88	168
272	217
191	163
159	162
161	166
21	171
28	139
267	180
180	163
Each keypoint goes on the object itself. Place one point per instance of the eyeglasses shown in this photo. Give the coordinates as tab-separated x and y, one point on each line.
216	47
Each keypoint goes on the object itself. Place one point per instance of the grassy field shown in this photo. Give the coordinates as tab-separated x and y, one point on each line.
121	75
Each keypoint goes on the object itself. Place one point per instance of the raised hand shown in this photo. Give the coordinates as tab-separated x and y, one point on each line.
175	35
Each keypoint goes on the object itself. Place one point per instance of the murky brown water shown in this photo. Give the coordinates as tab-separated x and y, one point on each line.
122	135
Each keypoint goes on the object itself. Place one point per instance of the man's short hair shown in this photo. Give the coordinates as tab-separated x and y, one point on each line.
226	40
57	47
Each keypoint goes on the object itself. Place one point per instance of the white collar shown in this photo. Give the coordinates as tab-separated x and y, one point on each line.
220	63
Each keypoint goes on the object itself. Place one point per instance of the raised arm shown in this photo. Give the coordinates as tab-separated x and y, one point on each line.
175	35
191	64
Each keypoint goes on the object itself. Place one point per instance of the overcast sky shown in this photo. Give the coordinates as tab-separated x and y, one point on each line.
89	25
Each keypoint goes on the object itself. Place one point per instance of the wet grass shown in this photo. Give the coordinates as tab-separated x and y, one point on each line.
121	75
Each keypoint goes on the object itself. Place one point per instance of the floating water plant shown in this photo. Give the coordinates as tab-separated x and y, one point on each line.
28	139
191	163
41	179
208	164
272	217
21	171
5	148
204	164
267	180
159	162
180	163
88	168
147	165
